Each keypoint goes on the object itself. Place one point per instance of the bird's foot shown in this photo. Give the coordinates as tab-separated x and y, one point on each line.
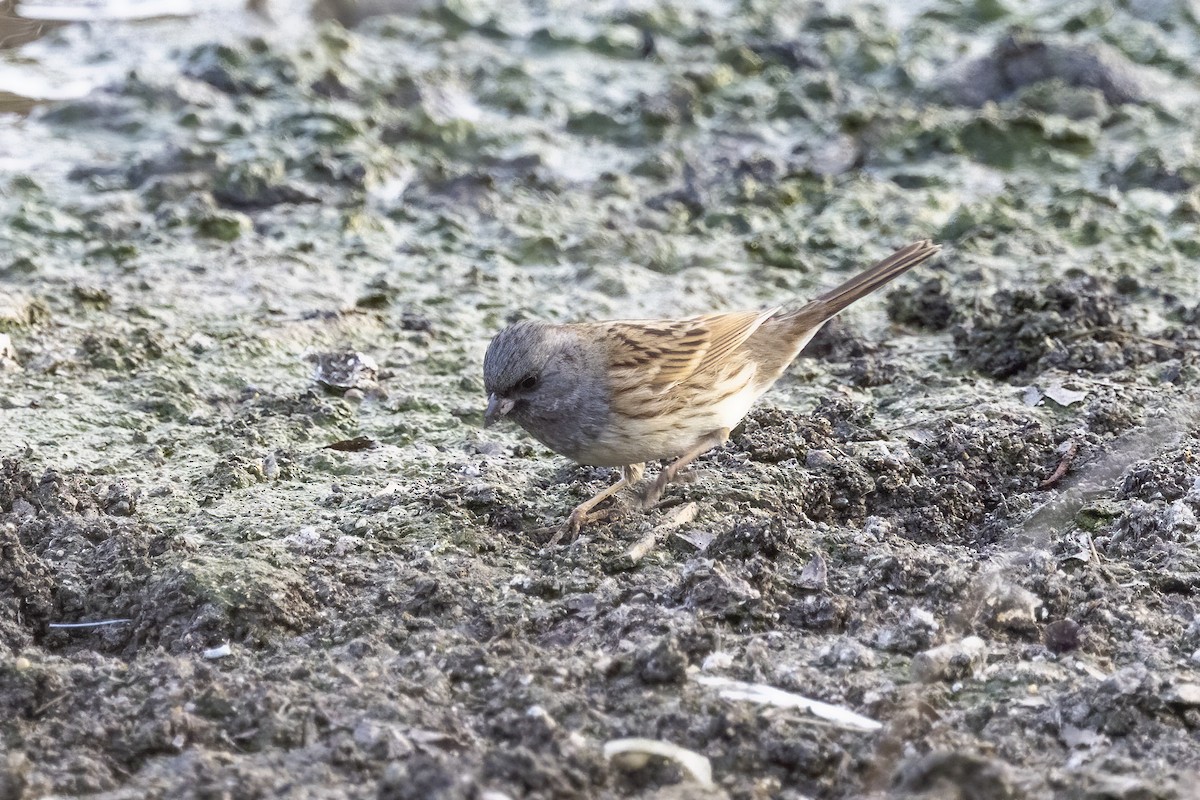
581	516
655	492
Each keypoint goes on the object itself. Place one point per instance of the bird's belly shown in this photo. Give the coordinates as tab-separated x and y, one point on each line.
614	451
634	440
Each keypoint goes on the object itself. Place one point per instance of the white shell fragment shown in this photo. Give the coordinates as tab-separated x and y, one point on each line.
635	752
769	695
220	651
1058	393
1064	396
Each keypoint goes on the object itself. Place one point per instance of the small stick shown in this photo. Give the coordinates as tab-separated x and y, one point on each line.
96	624
680	516
49	704
1063	466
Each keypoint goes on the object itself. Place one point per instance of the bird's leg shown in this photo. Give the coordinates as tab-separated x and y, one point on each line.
671	472
629	475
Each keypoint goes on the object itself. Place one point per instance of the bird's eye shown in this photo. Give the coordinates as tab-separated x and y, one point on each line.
529	382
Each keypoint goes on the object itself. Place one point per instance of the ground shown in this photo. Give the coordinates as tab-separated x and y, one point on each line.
245	291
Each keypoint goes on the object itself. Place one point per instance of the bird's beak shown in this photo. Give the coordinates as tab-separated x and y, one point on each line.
497	407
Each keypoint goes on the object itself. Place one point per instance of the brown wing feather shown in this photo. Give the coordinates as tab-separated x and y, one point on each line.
728	333
649	357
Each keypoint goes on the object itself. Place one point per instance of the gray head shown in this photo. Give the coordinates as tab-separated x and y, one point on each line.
547	380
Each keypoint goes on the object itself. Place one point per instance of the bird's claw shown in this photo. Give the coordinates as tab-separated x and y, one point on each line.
570	529
572	526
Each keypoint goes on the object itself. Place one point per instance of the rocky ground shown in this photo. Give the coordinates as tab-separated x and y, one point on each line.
245	292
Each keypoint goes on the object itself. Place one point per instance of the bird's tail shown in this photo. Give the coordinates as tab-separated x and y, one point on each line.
812	314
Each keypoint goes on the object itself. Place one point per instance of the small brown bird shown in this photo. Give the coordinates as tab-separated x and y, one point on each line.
624	392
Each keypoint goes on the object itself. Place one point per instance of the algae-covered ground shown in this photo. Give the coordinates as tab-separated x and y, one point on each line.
245	291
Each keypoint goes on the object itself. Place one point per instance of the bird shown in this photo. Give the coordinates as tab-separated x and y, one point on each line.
621	393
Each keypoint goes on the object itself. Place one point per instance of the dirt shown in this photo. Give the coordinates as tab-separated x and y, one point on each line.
245	291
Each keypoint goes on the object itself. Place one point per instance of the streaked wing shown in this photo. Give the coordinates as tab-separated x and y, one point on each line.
728	333
647	358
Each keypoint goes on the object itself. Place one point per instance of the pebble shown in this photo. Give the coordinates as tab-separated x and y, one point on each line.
1184	694
816	459
950	661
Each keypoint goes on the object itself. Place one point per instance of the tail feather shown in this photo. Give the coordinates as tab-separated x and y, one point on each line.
817	311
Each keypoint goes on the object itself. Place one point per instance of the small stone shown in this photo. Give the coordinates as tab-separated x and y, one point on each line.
346	370
1062	635
816	459
815	575
1012	607
951	661
121	499
846	652
922	618
1074	737
220	651
664	663
718	660
200	343
1184	694
691	542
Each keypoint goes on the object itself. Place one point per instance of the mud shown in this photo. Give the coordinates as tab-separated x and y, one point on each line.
254	541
